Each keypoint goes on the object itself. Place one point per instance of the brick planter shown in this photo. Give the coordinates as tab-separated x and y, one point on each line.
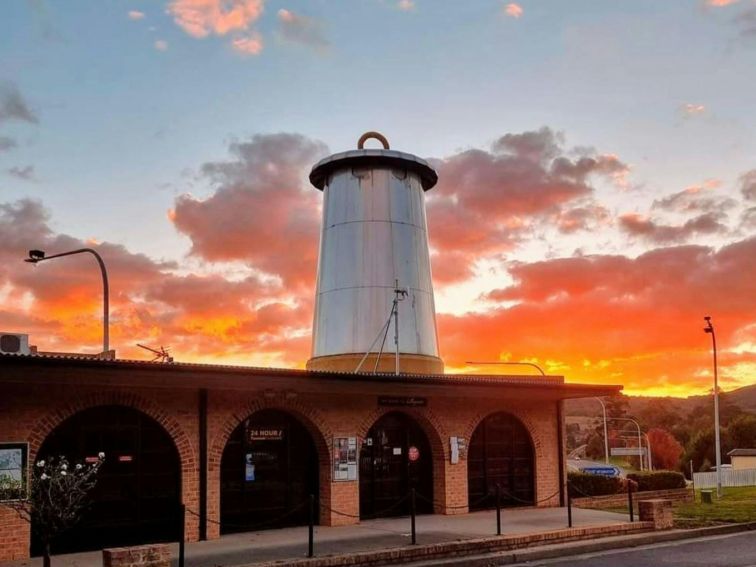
155	555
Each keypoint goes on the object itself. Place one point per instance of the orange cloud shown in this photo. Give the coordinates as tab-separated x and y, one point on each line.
720	3
135	15
200	18
513	10
251	44
161	45
406	5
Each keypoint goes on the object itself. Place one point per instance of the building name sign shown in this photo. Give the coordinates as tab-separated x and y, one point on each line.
265	434
403	401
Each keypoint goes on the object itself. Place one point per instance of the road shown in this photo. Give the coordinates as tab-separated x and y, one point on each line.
735	550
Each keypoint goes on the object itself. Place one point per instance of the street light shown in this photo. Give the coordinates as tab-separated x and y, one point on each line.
709	328
606	435
640	442
36	256
511	363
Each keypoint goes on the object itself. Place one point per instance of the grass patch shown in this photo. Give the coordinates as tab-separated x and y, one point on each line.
736	505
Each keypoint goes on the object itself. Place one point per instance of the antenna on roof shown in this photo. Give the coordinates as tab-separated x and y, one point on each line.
162	355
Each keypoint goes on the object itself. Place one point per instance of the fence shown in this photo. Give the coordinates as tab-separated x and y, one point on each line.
744	477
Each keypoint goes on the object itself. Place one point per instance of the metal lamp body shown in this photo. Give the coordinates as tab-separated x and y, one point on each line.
374	234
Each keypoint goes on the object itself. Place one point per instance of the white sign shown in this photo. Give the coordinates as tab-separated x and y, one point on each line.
627	451
454	446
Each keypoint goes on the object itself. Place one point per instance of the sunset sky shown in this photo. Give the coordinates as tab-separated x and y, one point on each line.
597	165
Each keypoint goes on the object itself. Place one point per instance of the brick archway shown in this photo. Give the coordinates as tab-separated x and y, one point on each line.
306	415
54	417
536	442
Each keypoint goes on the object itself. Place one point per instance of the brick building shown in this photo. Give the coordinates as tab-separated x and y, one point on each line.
181	432
356	432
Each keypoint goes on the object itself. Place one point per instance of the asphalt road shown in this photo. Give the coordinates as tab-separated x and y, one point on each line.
736	550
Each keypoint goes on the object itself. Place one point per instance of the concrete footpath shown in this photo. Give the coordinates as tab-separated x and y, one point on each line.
387	533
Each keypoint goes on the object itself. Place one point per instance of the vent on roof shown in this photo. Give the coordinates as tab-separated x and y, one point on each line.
14	343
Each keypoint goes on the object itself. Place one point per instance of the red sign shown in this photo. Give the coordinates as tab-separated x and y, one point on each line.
413	453
125	458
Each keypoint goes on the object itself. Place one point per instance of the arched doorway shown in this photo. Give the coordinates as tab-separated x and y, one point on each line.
394	458
269	468
500	452
138	491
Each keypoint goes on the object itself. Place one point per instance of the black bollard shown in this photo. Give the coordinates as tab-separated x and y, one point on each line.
311	528
569	509
412	513
630	499
498	509
182	527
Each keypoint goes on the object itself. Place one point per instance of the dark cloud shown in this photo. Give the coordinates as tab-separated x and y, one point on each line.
694	199
7	143
746	21
13	106
296	28
26	173
486	201
263	211
748	185
707	223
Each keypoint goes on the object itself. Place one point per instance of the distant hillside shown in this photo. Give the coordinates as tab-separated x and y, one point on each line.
744	397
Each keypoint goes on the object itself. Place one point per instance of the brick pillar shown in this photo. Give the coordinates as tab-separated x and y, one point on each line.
658	511
15	535
344	498
455	488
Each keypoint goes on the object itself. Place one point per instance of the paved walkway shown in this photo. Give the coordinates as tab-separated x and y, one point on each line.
291	543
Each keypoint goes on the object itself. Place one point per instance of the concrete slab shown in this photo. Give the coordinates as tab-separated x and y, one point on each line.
291	543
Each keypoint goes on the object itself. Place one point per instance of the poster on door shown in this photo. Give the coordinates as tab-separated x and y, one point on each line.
344	458
249	468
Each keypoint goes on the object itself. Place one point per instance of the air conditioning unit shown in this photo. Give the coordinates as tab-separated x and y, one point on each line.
14	343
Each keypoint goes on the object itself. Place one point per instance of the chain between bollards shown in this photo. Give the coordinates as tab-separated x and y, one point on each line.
498	509
182	528
412	512
311	528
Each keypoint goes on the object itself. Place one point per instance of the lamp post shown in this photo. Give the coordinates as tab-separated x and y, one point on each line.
36	256
510	363
709	328
640	442
606	434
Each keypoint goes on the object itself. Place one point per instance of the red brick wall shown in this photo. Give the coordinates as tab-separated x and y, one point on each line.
30	412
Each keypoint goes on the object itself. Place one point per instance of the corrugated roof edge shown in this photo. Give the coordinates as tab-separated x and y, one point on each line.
501	379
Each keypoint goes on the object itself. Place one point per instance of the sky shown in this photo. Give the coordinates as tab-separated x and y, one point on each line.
596	160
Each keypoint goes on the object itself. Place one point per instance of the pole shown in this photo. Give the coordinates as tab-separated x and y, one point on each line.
640	442
606	434
498	509
569	509
396	327
182	543
630	498
311	528
412	513
105	287
650	461
717	441
718	448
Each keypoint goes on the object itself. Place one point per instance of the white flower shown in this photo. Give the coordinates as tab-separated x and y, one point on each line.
78	467
41	464
64	467
64	473
101	455
43	476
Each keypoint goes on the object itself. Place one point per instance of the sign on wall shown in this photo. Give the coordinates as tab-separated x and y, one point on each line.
13	471
402	401
265	434
457	449
344	458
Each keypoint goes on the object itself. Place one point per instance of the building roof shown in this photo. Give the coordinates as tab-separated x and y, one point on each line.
742	453
58	369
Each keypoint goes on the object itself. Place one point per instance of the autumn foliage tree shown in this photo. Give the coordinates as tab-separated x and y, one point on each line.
665	449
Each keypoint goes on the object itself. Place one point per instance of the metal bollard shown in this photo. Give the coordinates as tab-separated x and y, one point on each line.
182	528
630	499
569	509
412	513
311	528
498	509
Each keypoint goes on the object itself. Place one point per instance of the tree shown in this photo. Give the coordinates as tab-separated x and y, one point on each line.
58	496
665	449
742	432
